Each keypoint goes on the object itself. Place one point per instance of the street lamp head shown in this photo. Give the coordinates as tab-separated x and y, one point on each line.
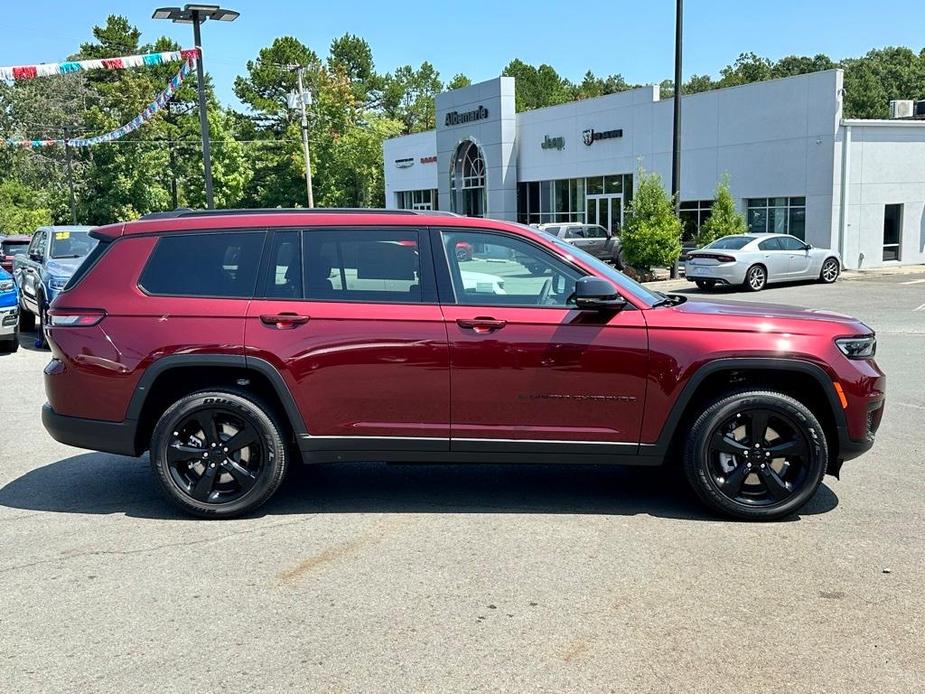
185	14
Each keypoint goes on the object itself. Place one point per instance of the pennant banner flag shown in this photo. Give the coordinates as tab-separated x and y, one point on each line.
131	126
28	72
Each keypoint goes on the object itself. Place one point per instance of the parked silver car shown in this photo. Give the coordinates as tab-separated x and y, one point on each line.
755	260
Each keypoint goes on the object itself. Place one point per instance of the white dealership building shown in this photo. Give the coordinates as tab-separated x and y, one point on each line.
794	163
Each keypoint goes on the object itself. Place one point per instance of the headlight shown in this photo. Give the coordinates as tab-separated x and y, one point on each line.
858	347
6	285
57	283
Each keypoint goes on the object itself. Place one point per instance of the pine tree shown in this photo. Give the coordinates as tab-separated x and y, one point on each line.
724	217
651	236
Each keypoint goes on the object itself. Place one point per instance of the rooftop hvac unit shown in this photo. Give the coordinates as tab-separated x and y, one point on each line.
901	108
919	109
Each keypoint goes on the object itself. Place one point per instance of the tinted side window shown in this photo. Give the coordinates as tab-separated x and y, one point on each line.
221	264
376	265
575	233
37	245
788	243
770	245
284	271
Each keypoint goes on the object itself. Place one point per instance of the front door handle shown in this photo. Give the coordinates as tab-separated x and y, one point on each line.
481	325
283	321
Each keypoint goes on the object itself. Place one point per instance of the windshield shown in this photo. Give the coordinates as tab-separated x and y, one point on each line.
731	243
71	244
605	270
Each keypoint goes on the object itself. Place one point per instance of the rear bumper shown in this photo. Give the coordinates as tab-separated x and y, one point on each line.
93	434
726	273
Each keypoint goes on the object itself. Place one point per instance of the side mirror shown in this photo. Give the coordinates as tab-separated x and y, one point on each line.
809	247
596	294
37	257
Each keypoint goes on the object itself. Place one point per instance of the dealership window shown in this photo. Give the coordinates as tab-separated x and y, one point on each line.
566	200
892	232
416	199
694	213
467	181
777	215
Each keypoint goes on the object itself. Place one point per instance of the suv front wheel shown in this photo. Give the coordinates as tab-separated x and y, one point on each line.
218	454
756	455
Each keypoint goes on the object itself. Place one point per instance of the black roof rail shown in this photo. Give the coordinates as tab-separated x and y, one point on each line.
187	212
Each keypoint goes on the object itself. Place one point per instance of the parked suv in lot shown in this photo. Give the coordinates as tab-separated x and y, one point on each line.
231	345
591	238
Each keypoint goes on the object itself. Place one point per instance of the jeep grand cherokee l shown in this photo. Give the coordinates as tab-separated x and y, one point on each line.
231	344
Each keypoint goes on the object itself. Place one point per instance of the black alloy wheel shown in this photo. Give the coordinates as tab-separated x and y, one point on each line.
756	278
218	454
757	455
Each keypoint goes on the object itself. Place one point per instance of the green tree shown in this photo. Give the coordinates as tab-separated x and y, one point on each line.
408	96
20	210
651	234
879	76
724	218
592	86
699	83
537	87
747	68
459	81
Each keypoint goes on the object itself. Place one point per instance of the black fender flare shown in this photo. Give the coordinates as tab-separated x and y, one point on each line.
670	426
238	361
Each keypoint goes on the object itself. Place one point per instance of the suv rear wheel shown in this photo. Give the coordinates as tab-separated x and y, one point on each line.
756	455
218	454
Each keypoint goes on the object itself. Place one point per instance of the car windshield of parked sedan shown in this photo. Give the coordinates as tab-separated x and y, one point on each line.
605	270
731	243
71	244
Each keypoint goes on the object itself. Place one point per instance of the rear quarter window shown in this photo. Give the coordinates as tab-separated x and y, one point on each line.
218	264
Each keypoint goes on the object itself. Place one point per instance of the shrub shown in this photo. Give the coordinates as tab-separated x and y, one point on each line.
651	234
724	218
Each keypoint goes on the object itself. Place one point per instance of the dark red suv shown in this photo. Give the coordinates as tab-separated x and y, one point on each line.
231	343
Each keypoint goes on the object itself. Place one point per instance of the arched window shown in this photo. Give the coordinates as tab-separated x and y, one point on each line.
467	181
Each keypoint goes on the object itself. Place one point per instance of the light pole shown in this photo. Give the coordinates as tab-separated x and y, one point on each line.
676	144
196	14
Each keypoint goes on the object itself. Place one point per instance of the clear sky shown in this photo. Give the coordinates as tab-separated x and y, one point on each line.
479	37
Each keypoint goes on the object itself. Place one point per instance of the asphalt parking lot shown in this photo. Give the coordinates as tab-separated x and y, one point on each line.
456	578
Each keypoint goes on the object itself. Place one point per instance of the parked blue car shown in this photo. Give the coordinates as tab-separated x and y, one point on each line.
9	313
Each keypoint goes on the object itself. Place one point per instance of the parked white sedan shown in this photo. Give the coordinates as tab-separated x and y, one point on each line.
755	260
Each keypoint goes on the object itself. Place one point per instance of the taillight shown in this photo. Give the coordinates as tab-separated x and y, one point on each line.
713	256
75	317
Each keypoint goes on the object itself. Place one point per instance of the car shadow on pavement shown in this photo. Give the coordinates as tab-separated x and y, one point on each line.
98	483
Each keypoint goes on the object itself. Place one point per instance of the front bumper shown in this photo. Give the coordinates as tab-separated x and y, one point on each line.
9	318
93	434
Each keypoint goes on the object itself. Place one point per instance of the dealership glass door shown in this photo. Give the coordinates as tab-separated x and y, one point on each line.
606	210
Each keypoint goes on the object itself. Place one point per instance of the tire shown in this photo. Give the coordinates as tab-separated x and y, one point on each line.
461	255
26	319
705	284
181	469
830	271
751	483
617	260
756	278
40	341
10	346
535	269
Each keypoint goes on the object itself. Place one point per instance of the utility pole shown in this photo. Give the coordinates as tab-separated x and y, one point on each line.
203	116
70	172
676	149
305	148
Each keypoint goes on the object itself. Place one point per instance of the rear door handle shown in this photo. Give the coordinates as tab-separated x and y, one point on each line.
481	325
283	321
